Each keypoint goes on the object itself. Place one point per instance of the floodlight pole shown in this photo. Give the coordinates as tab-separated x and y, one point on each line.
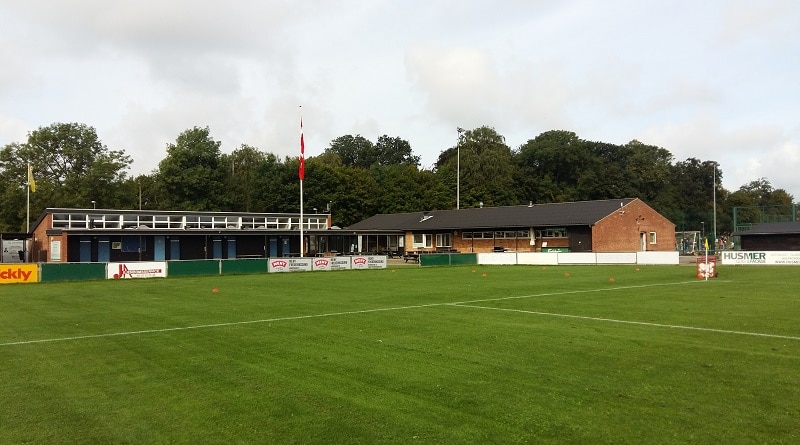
715	207
458	169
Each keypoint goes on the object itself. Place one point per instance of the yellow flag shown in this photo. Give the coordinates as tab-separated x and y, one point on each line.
31	182
706	241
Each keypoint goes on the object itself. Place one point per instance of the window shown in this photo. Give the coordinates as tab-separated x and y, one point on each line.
554	232
497	235
422	240
652	237
443	240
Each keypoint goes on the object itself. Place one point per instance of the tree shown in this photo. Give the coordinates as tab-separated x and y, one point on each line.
354	151
71	167
191	176
757	201
242	177
393	151
486	168
551	165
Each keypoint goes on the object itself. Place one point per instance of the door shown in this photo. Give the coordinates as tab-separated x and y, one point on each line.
103	249
159	248
231	247
273	247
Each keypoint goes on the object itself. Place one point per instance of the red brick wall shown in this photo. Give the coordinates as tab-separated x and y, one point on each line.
620	231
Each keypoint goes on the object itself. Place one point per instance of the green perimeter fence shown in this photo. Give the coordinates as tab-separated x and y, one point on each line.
447	259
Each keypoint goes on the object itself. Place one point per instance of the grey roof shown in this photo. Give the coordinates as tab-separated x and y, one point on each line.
772	228
582	213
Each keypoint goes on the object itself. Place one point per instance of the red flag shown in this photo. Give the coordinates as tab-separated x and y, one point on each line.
302	171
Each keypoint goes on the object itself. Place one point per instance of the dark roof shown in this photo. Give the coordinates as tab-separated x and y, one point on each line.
772	228
582	213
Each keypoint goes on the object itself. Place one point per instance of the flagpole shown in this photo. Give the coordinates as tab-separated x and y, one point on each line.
28	213
301	174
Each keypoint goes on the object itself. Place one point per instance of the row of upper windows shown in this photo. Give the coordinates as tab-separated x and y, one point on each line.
129	221
554	232
423	240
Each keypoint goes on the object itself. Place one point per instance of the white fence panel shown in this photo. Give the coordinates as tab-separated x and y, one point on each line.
658	257
538	258
497	258
577	258
616	257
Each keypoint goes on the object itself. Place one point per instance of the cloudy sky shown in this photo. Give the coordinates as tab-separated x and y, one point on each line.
714	80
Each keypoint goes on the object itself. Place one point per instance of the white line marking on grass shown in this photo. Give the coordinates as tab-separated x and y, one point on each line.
215	325
332	314
641	323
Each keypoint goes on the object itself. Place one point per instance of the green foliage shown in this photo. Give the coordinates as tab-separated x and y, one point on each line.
191	177
71	168
359	178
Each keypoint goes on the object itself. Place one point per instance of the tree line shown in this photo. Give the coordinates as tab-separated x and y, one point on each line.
355	178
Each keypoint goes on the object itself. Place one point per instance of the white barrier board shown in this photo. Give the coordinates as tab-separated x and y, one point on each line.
577	258
332	263
773	258
369	262
136	270
497	258
538	258
289	265
616	258
665	258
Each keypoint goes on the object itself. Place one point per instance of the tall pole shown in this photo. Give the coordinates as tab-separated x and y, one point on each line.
715	207
458	169
28	213
301	174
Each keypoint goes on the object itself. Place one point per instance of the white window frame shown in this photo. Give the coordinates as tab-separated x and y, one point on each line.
422	240
653	238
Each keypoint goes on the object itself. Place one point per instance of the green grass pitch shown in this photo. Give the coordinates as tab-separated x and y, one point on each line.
475	354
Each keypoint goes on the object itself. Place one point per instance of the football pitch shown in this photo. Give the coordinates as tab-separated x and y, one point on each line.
468	354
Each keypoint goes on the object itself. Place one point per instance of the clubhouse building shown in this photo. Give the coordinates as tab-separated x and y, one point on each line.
103	235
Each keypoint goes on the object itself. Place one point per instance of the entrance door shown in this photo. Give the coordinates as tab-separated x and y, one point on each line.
159	248
217	248
85	249
273	247
231	247
174	248
103	249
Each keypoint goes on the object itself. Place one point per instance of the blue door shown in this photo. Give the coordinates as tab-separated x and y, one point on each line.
174	248
103	249
217	248
160	248
231	247
273	247
86	249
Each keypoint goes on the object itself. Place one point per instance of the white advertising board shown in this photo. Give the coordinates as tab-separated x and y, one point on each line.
332	263
289	265
369	262
157	269
773	258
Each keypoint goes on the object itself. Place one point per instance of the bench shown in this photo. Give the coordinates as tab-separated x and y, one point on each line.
413	256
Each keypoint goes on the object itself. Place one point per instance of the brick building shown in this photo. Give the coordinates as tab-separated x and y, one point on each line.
614	225
103	235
